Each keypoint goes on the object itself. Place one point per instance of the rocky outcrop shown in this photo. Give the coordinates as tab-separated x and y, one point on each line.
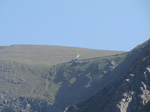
129	91
24	104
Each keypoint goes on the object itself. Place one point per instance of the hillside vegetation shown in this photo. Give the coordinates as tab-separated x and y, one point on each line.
46	79
37	54
29	81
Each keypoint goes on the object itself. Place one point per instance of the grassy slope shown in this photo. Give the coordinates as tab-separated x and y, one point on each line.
24	71
62	85
48	54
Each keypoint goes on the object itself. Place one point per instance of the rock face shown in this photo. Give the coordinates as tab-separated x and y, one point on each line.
24	104
129	91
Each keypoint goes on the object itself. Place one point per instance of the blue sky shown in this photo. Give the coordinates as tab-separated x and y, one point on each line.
95	24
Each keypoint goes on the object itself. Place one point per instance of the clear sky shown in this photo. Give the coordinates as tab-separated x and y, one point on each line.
95	24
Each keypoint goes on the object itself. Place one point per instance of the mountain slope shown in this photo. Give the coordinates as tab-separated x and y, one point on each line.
80	80
37	54
25	86
129	90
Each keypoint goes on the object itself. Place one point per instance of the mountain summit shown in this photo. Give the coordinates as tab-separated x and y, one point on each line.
129	91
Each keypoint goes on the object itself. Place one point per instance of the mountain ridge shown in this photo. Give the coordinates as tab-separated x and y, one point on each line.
130	91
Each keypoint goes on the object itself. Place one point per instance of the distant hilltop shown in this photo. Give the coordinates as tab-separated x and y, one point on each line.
49	54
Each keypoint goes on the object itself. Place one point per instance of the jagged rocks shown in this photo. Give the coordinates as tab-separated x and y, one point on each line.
24	104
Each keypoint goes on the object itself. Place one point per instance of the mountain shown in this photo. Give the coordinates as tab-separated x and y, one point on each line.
129	88
37	78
